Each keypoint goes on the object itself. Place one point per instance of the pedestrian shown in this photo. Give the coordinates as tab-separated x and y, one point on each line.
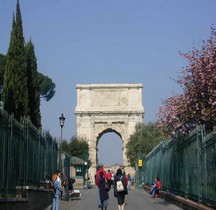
104	196
58	176
109	178
59	180
153	186
64	185
126	189
101	169
56	191
156	188
71	182
129	182
120	195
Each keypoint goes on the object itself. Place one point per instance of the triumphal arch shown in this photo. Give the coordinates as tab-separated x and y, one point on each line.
103	108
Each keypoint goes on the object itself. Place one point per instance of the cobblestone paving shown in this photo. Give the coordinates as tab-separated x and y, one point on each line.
136	200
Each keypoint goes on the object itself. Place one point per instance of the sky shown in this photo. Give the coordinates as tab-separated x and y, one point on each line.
108	41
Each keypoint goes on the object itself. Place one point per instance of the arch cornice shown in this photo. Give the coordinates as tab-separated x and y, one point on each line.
108	86
105	113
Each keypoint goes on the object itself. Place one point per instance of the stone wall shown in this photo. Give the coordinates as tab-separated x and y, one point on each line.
35	200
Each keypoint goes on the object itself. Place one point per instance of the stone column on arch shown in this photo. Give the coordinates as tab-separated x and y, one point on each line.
93	159
124	140
127	167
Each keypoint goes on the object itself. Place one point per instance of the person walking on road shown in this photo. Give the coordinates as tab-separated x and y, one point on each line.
120	195
101	169
104	196
109	178
129	182
59	180
57	192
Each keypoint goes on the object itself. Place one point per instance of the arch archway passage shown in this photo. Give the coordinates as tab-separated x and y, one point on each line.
104	108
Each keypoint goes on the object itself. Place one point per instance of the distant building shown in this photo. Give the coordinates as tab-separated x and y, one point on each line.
79	171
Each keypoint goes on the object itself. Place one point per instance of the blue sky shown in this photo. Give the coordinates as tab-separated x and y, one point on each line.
108	41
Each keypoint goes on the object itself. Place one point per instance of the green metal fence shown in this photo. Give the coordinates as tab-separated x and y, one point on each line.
139	176
27	157
186	166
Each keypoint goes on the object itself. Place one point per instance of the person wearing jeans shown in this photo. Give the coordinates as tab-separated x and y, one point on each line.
157	187
57	192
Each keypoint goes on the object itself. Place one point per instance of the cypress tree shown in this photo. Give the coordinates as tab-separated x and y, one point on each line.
33	85
15	92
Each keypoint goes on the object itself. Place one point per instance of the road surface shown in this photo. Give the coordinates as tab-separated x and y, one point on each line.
135	200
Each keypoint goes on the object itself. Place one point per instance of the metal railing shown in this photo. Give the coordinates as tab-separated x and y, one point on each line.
186	166
27	156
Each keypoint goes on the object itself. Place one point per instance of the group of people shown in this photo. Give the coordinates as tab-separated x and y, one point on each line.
58	188
104	182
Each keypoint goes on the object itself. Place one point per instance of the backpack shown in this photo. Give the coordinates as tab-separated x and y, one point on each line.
120	185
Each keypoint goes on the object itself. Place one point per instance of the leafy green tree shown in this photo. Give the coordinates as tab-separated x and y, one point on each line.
15	91
76	147
33	86
46	87
142	141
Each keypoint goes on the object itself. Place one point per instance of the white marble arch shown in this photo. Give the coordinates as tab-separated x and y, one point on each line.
103	108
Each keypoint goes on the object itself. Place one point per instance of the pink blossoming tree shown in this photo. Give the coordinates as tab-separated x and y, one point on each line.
197	104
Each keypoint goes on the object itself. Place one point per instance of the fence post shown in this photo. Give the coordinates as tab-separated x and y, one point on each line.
162	163
199	160
204	165
39	152
26	128
8	150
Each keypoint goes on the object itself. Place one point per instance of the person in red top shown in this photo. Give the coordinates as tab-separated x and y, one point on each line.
158	183
97	177
109	178
156	188
101	169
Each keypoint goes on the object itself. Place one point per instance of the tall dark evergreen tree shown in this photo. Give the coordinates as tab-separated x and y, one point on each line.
33	85
2	69
15	91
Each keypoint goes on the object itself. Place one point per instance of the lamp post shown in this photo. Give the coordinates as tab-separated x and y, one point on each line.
140	164
61	122
85	174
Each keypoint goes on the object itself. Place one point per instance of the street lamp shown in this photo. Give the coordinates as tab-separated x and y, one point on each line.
85	174
61	122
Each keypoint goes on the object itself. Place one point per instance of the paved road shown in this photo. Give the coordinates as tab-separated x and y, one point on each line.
136	200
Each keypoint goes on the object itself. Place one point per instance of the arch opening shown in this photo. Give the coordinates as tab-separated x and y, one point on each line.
110	148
